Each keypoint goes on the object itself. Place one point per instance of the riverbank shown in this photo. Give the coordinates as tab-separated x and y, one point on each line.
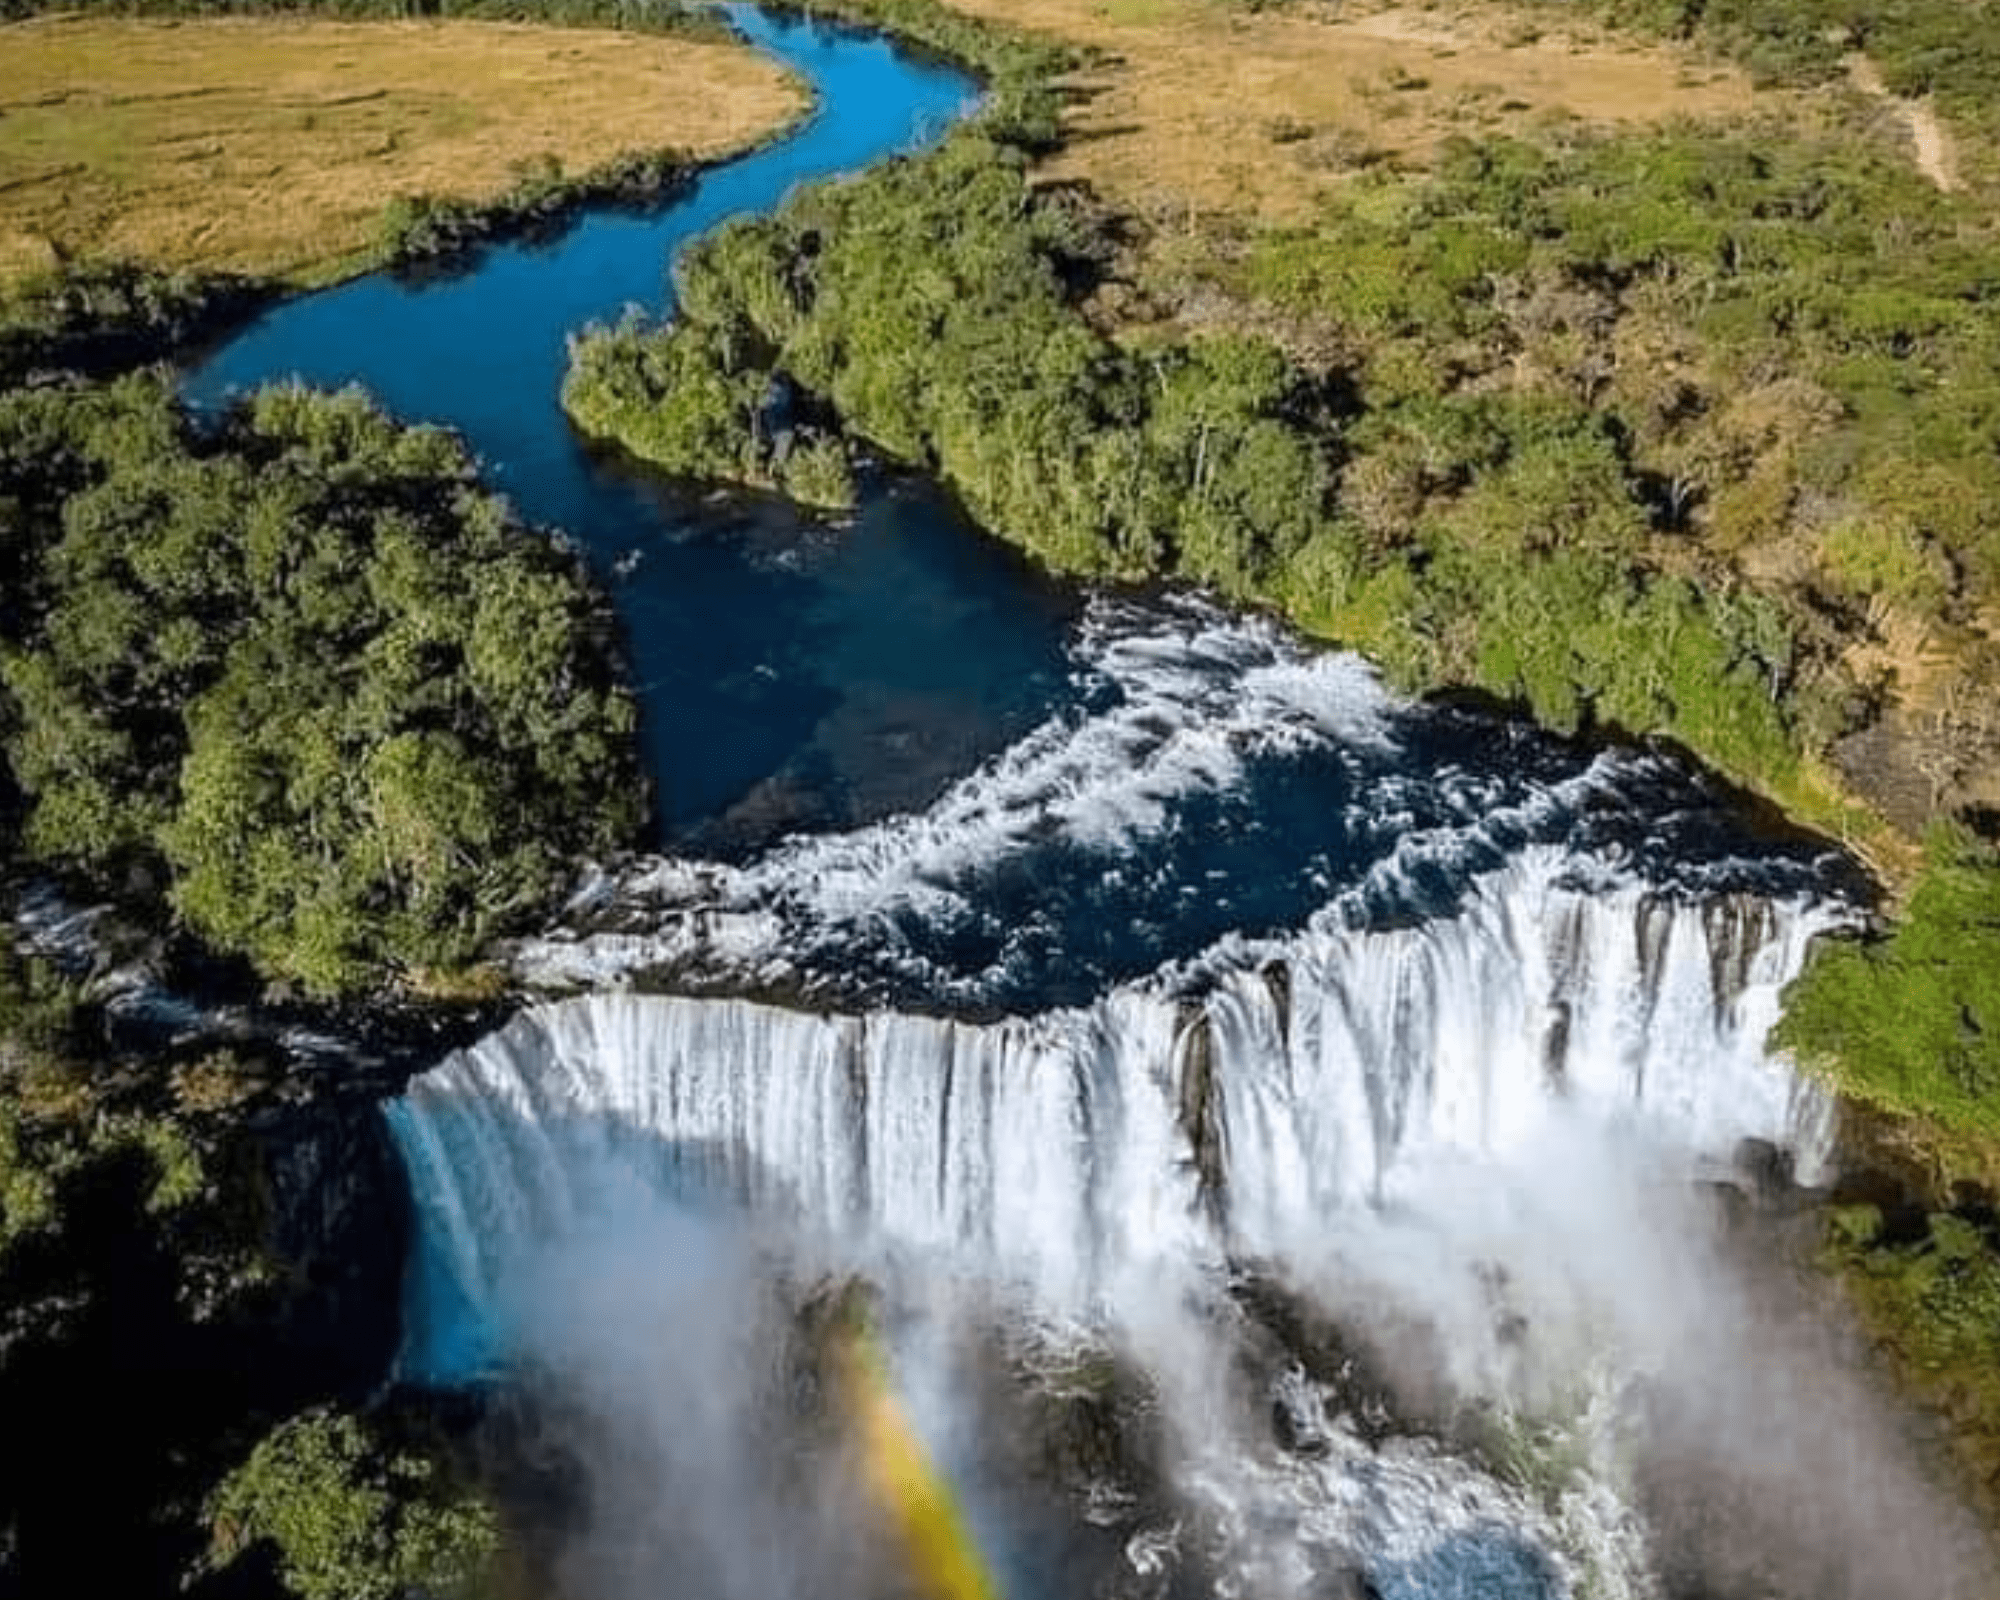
271	147
1651	432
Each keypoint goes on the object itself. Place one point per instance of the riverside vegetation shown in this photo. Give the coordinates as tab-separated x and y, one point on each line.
293	679
1683	432
302	674
142	1302
300	144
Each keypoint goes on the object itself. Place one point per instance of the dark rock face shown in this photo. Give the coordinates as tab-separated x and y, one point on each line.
337	1226
1350	1583
1767	1168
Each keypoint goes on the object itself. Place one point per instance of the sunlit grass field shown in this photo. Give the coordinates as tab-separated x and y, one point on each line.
1260	112
270	146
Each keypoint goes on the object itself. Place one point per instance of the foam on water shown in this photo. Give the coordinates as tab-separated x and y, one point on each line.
1210	779
1236	963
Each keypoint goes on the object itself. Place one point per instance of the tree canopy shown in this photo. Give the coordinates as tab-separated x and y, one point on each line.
301	669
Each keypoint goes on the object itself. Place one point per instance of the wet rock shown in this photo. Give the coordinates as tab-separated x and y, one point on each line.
1765	1167
336	1226
1298	1416
1199	1112
1727	1203
1345	1583
1289	1333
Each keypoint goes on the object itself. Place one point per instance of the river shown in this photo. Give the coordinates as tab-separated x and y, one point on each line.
1093	973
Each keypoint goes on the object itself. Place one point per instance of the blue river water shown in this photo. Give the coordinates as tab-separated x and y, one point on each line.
790	675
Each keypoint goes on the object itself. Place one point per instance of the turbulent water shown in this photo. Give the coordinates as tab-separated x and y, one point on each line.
1282	1123
1207	787
1238	970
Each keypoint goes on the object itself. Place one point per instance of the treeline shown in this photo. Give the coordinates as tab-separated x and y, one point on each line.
428	230
1755	360
298	677
1941	47
100	317
107	316
933	307
1008	59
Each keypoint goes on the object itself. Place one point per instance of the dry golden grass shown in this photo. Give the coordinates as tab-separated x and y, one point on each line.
1219	110
270	146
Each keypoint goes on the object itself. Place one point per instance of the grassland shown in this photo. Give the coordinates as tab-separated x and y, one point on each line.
271	146
1261	112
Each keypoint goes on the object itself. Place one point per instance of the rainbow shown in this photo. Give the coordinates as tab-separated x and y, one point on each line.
913	1495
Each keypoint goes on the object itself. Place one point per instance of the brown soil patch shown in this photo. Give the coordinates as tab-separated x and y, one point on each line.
1935	151
1224	110
271	145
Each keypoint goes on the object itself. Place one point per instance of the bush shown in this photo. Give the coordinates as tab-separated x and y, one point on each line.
1911	1024
351	1518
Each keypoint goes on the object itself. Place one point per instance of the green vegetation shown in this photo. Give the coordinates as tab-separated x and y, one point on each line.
1911	1025
1497	539
715	399
353	1516
650	16
1016	65
57	1133
143	1299
1936	47
1930	1296
419	228
110	315
302	671
1681	431
933	321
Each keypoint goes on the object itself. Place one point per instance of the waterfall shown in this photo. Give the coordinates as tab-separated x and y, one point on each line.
1237	977
1067	1149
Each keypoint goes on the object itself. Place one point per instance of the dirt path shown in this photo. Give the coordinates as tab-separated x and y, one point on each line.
1937	158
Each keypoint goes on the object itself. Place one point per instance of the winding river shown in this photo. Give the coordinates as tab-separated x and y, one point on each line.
1102	967
792	676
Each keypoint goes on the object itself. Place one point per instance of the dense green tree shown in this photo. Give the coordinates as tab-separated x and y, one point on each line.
1911	1025
352	1517
302	663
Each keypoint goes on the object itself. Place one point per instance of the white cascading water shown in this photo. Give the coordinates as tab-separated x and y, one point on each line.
1484	1005
1066	1149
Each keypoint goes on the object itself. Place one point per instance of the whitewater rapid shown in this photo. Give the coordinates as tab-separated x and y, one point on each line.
1210	787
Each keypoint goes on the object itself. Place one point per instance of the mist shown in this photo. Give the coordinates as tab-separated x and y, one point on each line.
1663	1335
